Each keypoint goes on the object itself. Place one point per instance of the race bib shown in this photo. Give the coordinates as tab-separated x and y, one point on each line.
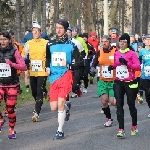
147	71
122	72
5	70
106	73
36	65
57	58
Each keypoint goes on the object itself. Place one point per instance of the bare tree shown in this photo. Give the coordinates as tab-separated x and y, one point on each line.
44	16
88	17
18	20
30	14
145	16
113	14
25	14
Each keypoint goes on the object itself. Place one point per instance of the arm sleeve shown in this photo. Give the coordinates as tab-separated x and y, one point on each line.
20	64
48	56
135	64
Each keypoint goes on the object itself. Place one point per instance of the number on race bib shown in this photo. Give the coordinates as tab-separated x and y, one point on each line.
106	73
5	70
57	58
122	72
147	71
36	65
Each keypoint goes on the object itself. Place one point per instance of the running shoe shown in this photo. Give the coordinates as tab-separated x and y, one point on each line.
139	99
84	90
74	95
35	116
2	124
121	133
102	112
108	123
59	135
5	112
12	134
134	130
148	115
67	115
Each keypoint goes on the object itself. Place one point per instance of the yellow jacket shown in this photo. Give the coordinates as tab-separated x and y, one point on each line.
37	54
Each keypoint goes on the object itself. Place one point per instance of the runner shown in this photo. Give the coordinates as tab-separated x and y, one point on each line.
36	50
126	63
144	56
105	57
60	54
9	80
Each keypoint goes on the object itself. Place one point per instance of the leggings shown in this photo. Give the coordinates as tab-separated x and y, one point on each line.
120	88
37	87
146	87
10	94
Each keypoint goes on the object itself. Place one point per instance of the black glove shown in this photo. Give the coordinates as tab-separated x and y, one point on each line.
110	68
93	71
123	61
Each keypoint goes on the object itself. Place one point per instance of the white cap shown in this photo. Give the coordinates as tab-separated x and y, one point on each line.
35	24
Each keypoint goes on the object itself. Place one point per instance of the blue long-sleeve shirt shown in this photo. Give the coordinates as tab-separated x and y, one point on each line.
29	36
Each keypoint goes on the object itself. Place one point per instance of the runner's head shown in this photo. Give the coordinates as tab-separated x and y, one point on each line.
61	27
12	34
140	46
75	31
113	33
5	39
69	32
147	40
106	41
85	36
93	36
132	39
124	41
36	30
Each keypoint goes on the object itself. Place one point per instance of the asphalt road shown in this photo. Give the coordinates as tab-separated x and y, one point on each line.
84	130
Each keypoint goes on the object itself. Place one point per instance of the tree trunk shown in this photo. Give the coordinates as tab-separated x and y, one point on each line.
39	11
87	16
113	13
44	16
30	14
137	15
25	15
18	20
145	16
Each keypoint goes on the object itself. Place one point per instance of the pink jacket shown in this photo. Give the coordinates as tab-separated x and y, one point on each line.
126	73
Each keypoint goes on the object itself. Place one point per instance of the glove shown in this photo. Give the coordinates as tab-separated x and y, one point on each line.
110	68
9	62
123	61
93	71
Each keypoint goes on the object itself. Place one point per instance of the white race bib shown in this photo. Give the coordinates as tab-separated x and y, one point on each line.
122	72
36	65
147	71
106	73
5	70
57	58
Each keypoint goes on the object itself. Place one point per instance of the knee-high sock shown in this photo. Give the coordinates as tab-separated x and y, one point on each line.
61	119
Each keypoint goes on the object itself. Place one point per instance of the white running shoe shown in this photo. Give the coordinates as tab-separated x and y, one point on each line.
108	123
74	95
84	90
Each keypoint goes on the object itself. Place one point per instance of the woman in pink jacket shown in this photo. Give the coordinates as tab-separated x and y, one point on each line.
126	63
10	62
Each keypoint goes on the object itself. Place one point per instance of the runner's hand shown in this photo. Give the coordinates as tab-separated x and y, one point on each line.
123	61
8	62
48	71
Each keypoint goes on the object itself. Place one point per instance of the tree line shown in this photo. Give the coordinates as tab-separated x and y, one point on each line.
86	14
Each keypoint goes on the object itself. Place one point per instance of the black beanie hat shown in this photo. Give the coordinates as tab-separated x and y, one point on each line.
64	23
126	37
85	35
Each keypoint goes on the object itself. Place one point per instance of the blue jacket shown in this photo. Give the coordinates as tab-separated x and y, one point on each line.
29	36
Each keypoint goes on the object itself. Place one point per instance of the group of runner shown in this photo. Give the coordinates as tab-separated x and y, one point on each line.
67	60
